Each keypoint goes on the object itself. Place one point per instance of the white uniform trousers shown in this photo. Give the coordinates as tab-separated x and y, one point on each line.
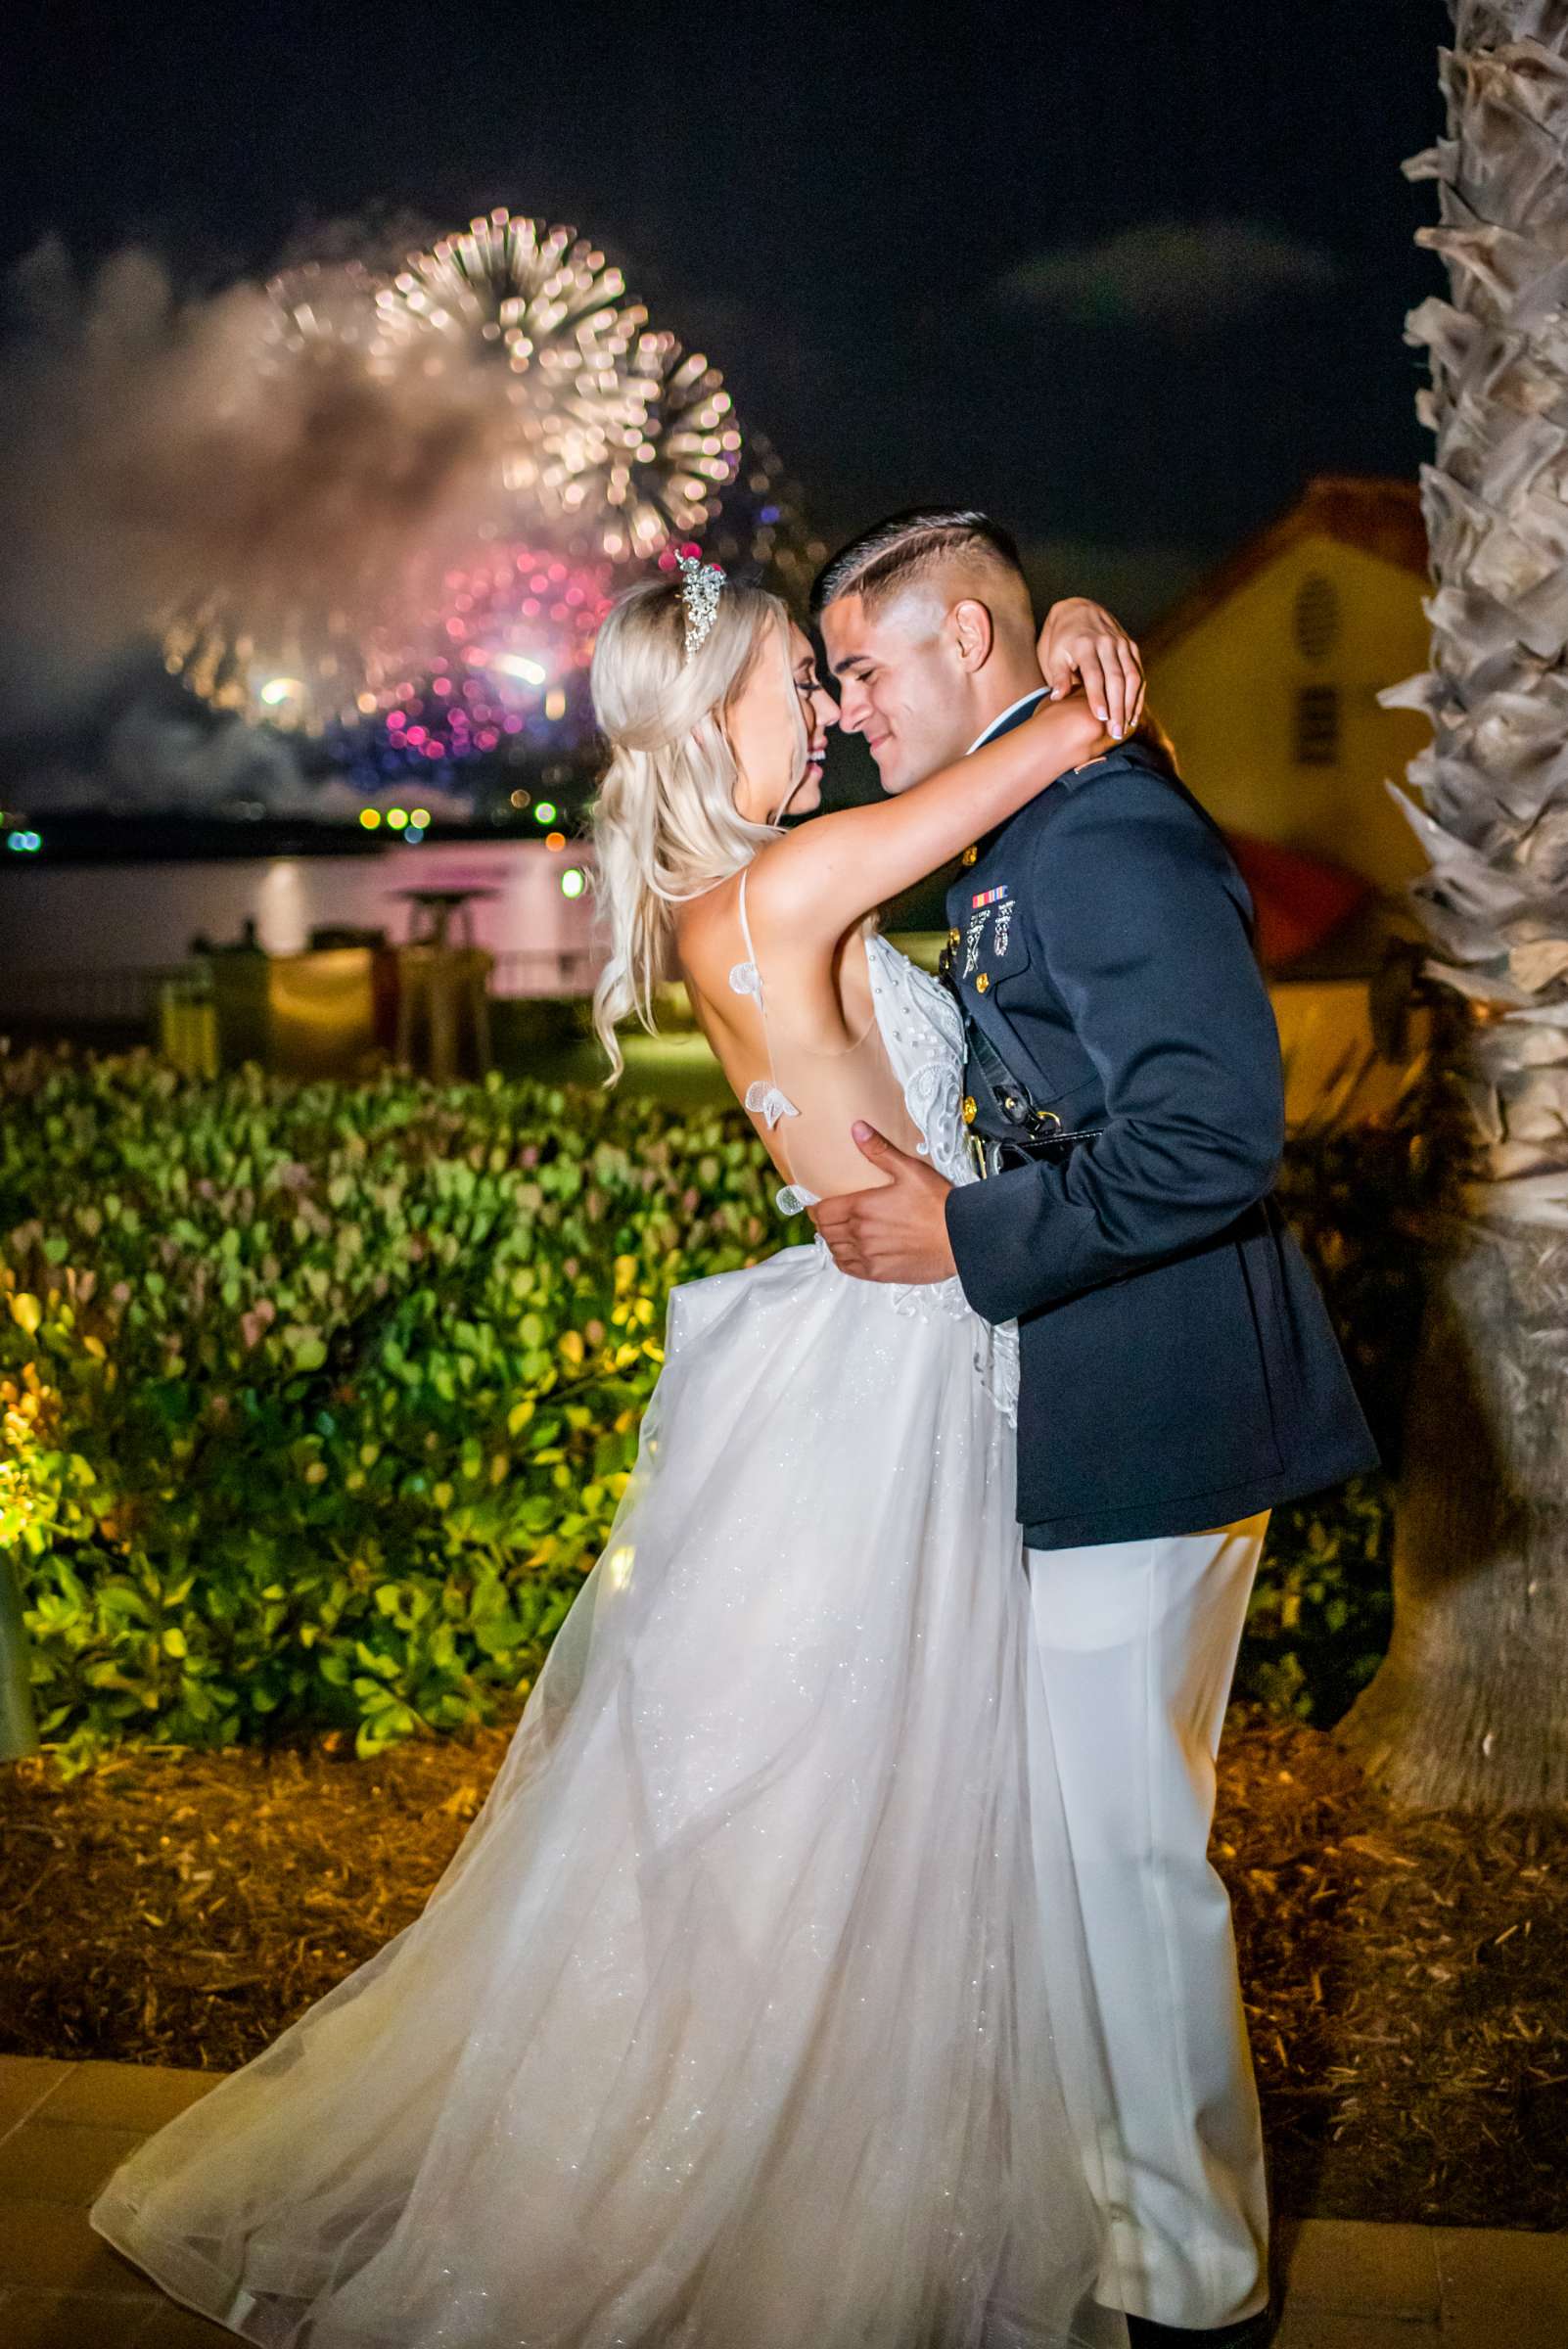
1138	1643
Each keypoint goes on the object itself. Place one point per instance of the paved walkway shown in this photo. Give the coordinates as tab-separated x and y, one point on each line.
64	2127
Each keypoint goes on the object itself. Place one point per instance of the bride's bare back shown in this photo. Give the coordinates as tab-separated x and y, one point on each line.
794	1026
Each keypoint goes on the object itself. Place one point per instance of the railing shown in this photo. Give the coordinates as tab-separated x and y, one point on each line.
545	971
116	998
122	997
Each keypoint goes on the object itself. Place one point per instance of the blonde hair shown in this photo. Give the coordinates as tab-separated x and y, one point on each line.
665	826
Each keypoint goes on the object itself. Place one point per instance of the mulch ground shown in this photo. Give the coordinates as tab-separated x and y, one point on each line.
1406	1976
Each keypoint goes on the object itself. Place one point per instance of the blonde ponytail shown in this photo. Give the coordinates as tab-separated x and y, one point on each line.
665	826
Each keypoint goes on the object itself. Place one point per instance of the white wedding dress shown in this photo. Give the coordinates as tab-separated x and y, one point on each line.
729	2025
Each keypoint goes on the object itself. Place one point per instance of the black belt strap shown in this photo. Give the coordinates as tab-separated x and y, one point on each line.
1009	1096
1005	1126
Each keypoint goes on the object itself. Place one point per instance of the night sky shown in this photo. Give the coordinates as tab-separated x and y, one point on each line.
1126	275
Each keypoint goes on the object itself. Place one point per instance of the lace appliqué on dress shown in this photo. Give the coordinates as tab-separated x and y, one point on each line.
768	1102
924	1032
923	1029
764	1098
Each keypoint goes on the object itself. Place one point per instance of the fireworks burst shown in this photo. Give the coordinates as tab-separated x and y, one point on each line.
552	311
670	485
517	627
590	441
622	440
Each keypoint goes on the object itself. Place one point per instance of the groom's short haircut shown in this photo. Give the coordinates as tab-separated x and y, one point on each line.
908	546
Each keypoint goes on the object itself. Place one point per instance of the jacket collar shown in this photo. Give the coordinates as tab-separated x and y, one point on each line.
1013	716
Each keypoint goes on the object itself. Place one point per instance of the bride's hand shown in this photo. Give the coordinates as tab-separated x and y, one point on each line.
1081	639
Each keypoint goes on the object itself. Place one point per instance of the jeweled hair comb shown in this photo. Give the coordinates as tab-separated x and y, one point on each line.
700	583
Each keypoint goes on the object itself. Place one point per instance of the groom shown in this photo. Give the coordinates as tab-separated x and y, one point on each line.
1124	1099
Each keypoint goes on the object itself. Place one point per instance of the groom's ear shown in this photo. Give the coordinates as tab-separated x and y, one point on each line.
974	631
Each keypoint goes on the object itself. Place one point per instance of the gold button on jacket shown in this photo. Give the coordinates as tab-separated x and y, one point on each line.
982	982
970	856
971	1109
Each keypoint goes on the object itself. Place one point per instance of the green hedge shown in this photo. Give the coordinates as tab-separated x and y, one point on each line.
1360	1198
318	1399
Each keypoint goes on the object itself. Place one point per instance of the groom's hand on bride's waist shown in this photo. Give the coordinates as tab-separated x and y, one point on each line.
897	1231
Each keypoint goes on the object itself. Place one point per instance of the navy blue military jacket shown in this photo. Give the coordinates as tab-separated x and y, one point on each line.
1179	1368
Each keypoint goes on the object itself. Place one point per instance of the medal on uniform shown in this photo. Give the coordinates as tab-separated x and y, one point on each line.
982	905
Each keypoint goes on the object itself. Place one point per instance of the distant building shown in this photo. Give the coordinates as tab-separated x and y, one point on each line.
1265	676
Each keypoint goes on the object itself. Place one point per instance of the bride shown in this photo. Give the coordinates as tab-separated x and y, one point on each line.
727	2026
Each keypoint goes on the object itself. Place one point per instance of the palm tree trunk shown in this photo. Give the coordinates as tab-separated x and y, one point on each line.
1468	1709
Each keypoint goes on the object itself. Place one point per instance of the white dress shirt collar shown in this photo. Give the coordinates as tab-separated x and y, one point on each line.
1025	700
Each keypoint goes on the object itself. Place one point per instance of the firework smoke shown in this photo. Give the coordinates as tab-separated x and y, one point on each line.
164	458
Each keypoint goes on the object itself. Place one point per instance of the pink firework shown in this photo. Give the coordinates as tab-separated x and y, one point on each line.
513	638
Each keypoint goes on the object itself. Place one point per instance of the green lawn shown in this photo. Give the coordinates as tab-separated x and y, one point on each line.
677	1069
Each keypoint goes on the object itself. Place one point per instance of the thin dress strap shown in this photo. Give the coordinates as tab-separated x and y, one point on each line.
755	986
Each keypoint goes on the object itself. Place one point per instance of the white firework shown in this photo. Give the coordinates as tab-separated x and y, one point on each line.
621	438
547	304
669	484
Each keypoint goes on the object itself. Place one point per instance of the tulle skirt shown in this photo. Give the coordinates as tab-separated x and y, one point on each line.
731	2024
